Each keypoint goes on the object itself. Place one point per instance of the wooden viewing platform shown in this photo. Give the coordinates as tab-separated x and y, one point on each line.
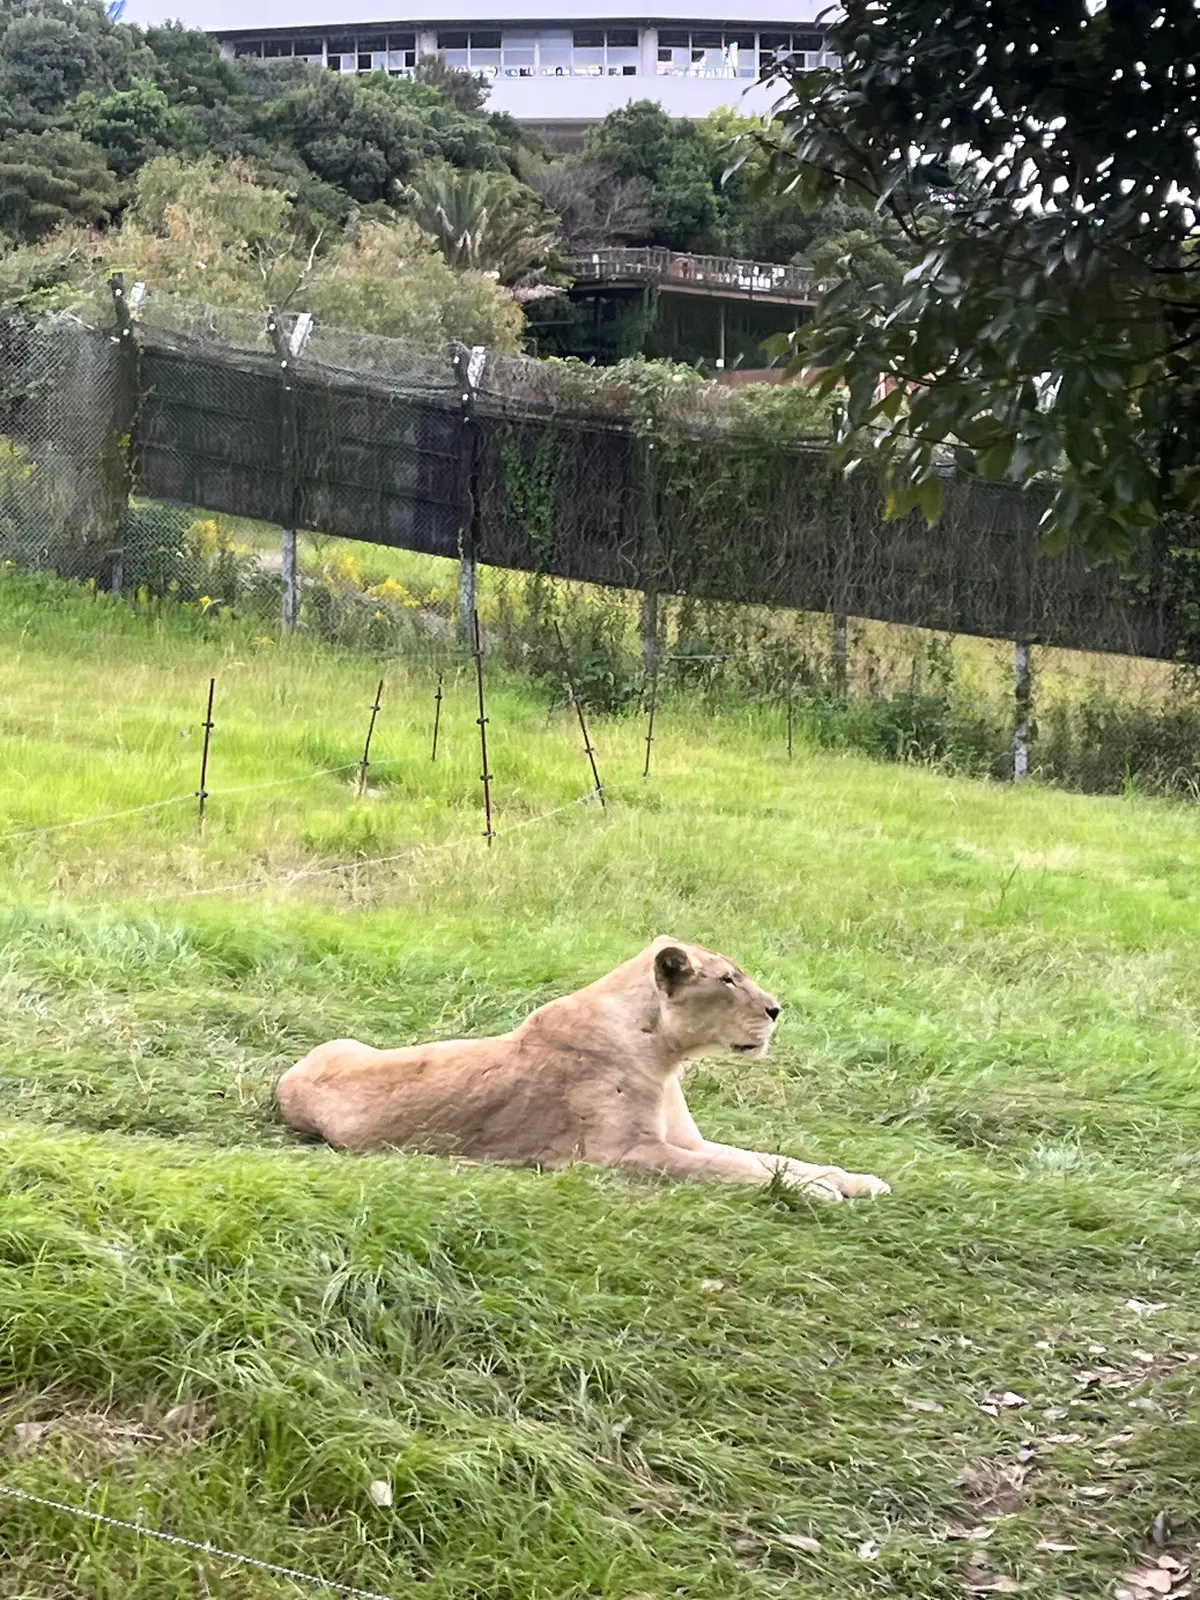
712	277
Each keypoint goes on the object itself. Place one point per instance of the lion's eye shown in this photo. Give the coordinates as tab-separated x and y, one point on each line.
729	978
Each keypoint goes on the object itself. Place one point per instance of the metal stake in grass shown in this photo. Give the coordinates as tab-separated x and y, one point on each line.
650	717
202	791
366	755
578	704
437	718
790	715
481	719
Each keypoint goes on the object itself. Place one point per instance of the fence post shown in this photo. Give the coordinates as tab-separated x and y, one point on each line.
209	725
127	410
485	775
291	582
286	350
1022	697
437	717
468	370
839	653
648	629
365	763
650	710
1027	548
588	749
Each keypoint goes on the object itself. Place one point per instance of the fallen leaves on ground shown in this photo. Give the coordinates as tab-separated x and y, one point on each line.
977	1578
110	1434
1159	1575
993	1489
798	1541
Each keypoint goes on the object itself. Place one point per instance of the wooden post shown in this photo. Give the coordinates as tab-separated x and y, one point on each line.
790	716
366	755
1022	697
202	791
485	775
578	704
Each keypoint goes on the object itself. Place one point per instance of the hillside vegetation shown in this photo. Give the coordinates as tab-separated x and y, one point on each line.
584	1383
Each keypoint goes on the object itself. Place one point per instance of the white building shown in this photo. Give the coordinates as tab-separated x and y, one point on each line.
553	67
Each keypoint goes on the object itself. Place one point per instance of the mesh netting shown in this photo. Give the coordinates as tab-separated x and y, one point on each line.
65	410
534	466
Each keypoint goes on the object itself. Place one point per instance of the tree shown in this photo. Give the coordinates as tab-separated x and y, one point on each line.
45	62
1044	163
129	126
50	178
458	87
391	278
484	221
369	135
51	50
189	68
594	206
206	230
672	163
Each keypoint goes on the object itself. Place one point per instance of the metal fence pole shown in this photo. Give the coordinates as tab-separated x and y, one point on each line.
839	653
124	423
468	370
287	348
648	629
1022	697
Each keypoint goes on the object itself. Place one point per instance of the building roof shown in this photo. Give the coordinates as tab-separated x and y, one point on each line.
241	16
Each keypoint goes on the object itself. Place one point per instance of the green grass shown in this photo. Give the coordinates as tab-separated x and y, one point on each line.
582	1384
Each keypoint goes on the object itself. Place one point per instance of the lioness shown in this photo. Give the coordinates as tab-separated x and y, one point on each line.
591	1077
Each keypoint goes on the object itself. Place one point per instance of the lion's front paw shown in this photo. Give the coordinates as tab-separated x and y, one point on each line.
819	1186
821	1189
860	1185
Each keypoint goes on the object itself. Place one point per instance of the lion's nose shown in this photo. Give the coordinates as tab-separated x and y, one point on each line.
772	1012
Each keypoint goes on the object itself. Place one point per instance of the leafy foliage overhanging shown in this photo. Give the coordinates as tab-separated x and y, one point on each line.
1043	163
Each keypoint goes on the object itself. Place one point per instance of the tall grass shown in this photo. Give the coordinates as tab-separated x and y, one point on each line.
577	1384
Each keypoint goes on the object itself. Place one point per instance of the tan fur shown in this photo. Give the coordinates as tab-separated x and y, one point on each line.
591	1077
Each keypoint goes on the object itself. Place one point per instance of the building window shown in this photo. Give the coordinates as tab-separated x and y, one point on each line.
707	53
347	52
471	50
554	53
800	49
605	52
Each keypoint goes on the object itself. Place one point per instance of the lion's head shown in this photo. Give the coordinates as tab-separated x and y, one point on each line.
707	1003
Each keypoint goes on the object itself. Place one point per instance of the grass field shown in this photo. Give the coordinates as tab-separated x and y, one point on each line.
581	1384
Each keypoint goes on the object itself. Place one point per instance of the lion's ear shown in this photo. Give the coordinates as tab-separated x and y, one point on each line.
672	967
